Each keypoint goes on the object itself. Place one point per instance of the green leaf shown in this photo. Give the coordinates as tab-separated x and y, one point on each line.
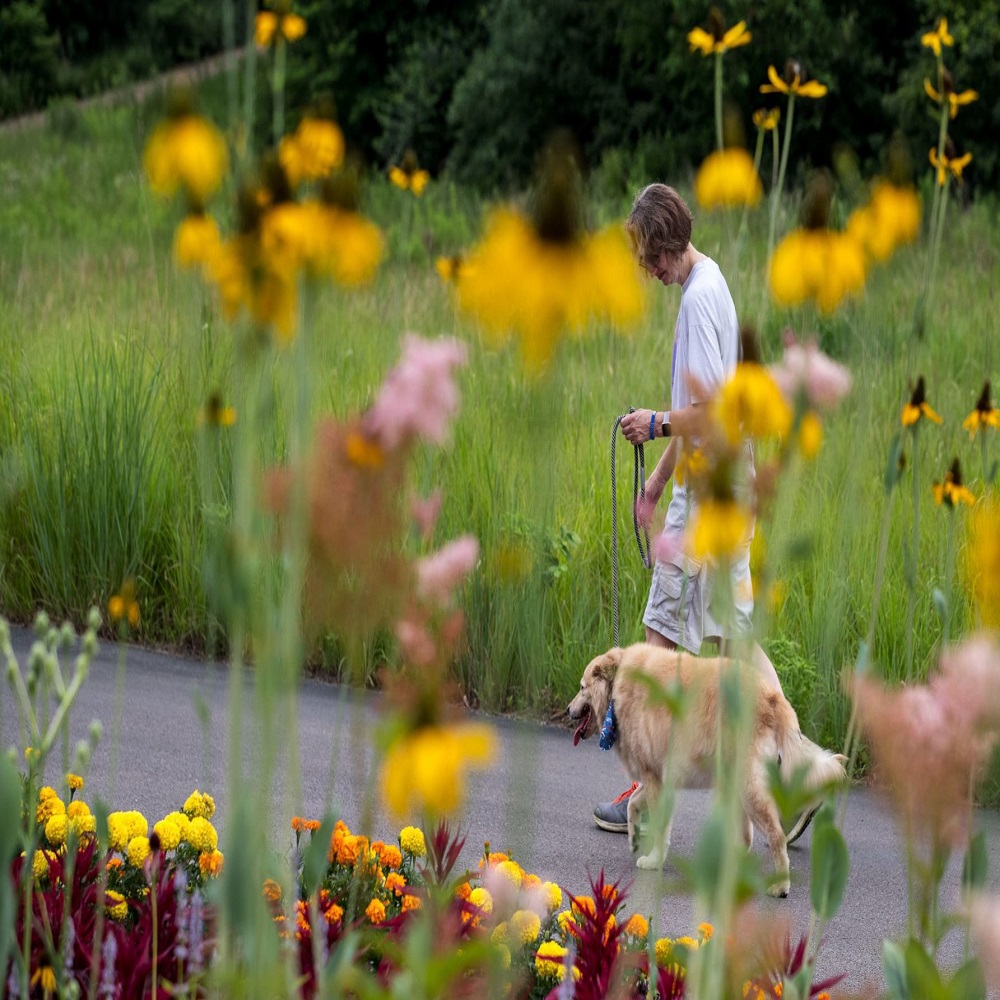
893	468
968	982
707	864
863	661
976	865
940	603
10	834
894	969
830	868
922	974
314	858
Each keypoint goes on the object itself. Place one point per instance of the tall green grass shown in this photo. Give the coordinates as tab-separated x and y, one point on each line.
108	353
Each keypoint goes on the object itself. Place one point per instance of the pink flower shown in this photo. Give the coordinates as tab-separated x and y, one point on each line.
806	370
416	643
439	574
668	546
984	922
425	512
419	396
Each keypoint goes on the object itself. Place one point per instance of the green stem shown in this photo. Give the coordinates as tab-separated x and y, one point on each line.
741	234
278	88
948	574
936	220
982	451
249	83
774	157
911	581
719	139
776	192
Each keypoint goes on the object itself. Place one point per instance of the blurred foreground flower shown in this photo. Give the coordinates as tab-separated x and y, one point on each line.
890	219
751	404
408	176
984	415
726	178
719	529
314	150
123	607
187	151
983	560
806	373
938	37
270	25
820	264
918	408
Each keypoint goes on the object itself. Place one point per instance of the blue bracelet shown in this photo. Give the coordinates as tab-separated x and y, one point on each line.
652	425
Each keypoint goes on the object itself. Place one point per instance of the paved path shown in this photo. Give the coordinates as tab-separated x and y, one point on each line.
536	802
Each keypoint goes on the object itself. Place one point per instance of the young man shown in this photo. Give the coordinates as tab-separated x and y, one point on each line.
706	351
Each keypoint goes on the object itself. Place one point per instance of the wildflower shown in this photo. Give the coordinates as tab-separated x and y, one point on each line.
271	25
123	606
411	840
949	162
45	977
197	240
56	828
450	268
718	39
408	176
419	397
719	529
806	372
186	151
200	804
952	491
728	177
953	99
889	220
918	407
425	770
525	926
637	926
810	434
791	83
74	781
440	573
817	263
210	863
115	906
314	150
938	37
201	835
750	404
549	960
983	559
766	119
984	415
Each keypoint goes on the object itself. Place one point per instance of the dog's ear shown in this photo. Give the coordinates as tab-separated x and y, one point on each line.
607	665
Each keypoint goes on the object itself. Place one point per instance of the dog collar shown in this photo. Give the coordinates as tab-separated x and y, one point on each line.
609	731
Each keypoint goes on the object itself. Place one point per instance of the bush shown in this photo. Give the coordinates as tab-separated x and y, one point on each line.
27	57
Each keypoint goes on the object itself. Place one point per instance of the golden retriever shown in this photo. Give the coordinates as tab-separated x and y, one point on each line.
646	732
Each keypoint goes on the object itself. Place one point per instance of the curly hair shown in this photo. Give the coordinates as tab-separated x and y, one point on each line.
660	222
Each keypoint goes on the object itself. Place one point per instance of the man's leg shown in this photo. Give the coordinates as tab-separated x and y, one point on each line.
655	638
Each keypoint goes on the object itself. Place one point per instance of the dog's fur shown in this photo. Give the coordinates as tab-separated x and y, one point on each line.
646	732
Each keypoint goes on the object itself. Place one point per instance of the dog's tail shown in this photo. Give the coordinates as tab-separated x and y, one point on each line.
796	751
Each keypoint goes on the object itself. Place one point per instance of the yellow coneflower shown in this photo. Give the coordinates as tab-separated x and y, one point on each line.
982	555
196	240
810	434
408	176
918	407
821	264
792	83
450	269
727	178
949	162
953	99
952	491
720	528
750	404
938	37
984	415
766	119
214	414
718	38
123	606
313	150
272	24
186	150
890	219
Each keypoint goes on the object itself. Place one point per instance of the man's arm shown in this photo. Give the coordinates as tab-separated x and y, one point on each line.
688	422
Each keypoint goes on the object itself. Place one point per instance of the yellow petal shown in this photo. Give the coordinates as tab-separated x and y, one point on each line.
701	41
293	27
931	41
265	27
812	88
399	178
418	181
966	97
737	35
931	92
777	85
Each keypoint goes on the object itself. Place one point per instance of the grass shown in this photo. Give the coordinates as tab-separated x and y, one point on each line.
108	353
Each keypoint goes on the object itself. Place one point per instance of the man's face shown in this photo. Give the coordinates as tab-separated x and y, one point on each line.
665	268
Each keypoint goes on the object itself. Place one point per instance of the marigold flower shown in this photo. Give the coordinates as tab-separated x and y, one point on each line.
984	415
137	851
982	554
395	883
946	164
938	37
553	896
583	905
890	219
123	826
375	911
525	926
74	781
664	946
482	898
200	804
718	39
49	805
333	914
411	840
408	176
705	931
952	491
210	863
40	863
272	890
463	891
186	151
637	926
270	26
954	100
56	828
820	264
549	960
727	177
425	770
918	407
511	872
766	119
115	906
411	901
390	856
201	835
719	529
792	83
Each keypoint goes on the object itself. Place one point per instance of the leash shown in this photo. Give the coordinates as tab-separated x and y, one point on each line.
638	494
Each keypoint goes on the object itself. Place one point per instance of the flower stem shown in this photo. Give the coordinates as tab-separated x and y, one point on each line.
278	89
911	580
982	451
718	100
776	191
249	83
948	574
936	217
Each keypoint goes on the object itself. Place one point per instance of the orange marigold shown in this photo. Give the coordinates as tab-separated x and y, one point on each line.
375	911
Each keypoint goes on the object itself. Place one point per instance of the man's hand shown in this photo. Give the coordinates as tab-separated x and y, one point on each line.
635	426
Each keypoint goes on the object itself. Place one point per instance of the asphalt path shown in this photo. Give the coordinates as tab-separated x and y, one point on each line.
535	803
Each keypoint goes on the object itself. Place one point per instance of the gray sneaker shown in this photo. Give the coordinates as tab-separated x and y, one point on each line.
613	816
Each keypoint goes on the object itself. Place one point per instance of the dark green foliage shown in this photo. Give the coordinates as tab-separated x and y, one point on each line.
28	62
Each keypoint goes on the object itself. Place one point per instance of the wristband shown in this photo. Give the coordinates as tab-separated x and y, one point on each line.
652	426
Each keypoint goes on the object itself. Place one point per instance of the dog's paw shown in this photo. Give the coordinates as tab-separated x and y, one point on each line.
779	889
649	862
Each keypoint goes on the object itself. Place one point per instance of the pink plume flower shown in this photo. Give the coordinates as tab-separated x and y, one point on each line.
806	370
425	512
668	546
984	923
440	573
416	643
419	396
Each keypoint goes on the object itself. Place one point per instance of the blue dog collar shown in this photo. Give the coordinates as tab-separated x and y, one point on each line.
609	731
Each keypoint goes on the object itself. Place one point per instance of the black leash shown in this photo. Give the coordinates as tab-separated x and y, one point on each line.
638	495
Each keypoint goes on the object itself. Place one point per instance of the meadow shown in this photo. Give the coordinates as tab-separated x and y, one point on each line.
110	352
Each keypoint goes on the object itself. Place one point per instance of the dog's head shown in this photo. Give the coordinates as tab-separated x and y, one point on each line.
591	703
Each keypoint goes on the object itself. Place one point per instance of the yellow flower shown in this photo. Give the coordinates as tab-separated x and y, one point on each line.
49	805
719	39
750	404
411	840
169	834
511	871
810	434
918	407
124	605
637	926
314	150
45	977
553	896
482	898
363	452
949	164
137	851
890	219
548	962
74	781
214	414
123	826
114	905
951	492
983	559
186	151
272	890
766	119
525	926
408	176
201	835
449	268
375	911
210	863
954	99
196	241
40	863
792	83
727	177
720	529
664	946
424	771
705	931
55	829
984	415
200	804
269	25
938	37
181	821
819	264
411	902
688	942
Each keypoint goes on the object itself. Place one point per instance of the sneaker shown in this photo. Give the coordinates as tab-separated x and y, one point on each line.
803	819
613	816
